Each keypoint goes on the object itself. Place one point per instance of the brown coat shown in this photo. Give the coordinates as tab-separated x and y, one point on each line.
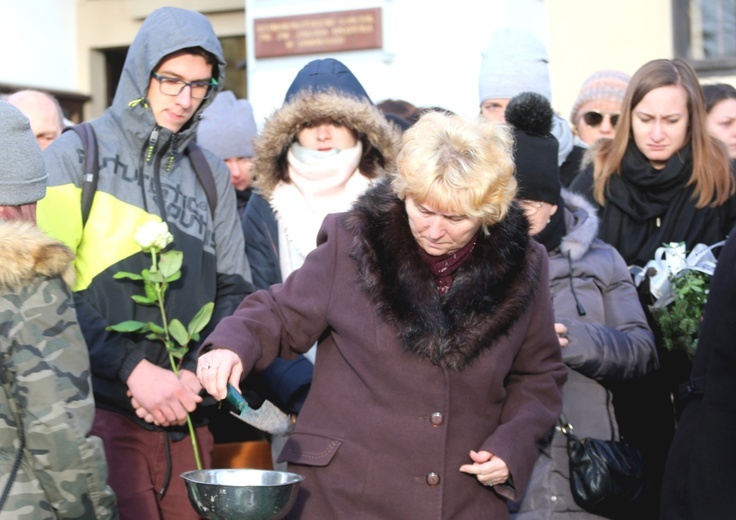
406	383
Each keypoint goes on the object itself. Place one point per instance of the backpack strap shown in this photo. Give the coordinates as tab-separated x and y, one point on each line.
91	166
92	170
204	175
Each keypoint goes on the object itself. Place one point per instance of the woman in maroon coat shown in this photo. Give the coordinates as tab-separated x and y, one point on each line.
438	368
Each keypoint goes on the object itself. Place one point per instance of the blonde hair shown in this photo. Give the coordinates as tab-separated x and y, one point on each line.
712	178
460	166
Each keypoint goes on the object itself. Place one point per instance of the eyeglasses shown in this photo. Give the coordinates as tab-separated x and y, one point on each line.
175	86
594	118
530	207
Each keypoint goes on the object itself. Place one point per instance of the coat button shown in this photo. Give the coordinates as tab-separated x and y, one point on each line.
436	419
433	479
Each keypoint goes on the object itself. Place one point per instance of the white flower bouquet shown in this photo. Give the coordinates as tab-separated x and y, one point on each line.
679	281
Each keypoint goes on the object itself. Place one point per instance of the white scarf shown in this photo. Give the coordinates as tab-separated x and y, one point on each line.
320	183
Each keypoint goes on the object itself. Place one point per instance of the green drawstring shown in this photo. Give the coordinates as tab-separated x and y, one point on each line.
172	156
152	140
139	101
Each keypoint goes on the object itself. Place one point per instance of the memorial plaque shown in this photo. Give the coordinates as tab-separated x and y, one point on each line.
318	33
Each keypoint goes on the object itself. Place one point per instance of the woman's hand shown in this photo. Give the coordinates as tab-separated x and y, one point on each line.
561	331
218	367
190	380
488	469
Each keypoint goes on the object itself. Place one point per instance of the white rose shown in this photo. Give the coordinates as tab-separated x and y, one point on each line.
153	234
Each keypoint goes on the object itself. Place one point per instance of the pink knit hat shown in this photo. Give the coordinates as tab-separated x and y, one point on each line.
603	84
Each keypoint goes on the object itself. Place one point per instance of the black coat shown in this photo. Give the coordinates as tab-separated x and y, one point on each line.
572	165
701	467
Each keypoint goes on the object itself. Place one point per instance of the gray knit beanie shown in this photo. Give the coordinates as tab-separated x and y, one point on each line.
514	62
22	172
228	127
607	85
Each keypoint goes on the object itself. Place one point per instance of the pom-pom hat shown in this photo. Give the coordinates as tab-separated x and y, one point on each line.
537	173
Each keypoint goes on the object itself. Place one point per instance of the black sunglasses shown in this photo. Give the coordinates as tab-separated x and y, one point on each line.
594	118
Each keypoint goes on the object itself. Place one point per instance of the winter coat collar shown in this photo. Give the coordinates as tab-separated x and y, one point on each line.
581	222
491	290
27	253
380	138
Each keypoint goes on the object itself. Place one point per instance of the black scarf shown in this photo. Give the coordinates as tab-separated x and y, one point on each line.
242	197
552	234
646	207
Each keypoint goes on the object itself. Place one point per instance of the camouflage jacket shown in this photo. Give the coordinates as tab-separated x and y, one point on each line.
45	397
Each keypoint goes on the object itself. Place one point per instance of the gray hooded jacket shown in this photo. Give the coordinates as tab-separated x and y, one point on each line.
144	174
611	342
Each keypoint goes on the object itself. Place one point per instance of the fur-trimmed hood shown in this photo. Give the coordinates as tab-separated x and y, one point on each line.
593	150
491	290
27	253
581	221
380	138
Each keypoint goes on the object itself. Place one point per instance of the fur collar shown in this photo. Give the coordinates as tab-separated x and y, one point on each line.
593	150
491	290
27	253
581	221
380	143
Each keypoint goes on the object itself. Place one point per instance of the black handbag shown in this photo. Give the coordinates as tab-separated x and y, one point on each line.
606	477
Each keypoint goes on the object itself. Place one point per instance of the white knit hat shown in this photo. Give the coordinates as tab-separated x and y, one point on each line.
514	62
22	172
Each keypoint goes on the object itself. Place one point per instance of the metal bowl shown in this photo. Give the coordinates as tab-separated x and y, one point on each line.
249	494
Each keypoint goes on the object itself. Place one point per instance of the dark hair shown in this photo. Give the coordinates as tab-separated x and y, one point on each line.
716	93
397	107
428	109
210	58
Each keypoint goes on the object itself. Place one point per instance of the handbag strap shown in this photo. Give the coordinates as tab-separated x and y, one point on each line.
564	422
565	426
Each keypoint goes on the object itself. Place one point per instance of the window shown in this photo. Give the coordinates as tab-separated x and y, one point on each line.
705	34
